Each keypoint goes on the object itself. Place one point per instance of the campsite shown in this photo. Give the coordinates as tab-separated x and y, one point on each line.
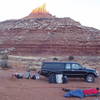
28	89
48	46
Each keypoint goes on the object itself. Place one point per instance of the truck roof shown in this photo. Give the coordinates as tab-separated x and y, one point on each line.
60	62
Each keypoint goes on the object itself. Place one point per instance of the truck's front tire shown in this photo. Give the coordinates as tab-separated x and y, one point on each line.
90	78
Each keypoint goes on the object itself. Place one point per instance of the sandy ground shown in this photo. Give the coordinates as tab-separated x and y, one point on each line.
28	89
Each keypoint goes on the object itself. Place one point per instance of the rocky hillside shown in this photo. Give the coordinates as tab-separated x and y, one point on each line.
48	36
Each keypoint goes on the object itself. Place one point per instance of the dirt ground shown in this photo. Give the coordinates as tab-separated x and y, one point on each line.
28	89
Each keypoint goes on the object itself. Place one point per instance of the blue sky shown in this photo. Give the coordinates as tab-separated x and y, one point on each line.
84	11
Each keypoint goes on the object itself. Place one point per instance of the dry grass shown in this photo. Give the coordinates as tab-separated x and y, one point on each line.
34	62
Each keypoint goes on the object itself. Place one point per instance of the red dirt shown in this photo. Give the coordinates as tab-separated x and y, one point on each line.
27	89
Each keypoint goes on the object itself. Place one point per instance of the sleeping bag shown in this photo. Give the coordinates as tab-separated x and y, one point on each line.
75	93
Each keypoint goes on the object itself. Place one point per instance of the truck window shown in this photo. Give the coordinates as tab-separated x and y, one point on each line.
76	66
54	65
68	66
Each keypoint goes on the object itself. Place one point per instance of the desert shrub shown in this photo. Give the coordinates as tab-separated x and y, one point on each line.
55	59
4	57
71	58
32	68
4	61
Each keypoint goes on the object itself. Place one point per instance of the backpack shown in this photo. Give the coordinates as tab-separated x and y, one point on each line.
27	75
65	79
52	78
19	76
36	76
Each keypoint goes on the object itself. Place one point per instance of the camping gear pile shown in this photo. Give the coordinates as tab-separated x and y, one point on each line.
57	78
27	75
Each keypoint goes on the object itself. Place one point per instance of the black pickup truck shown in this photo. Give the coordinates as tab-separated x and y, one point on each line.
69	69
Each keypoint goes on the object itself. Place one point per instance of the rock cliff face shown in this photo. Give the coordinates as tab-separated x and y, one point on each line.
49	36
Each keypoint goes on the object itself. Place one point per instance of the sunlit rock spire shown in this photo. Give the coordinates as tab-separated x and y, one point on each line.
40	12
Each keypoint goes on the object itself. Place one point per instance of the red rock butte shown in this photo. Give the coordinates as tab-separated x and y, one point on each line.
40	33
40	12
